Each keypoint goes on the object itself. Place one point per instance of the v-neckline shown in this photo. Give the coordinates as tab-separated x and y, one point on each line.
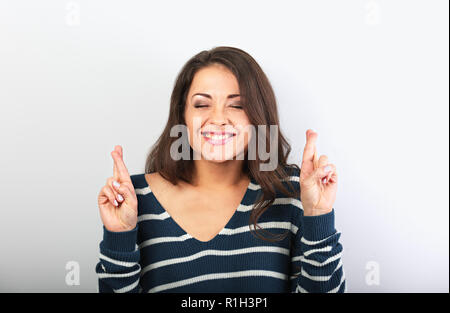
218	235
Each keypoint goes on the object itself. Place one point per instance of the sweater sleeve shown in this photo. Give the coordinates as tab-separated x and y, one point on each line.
316	263
119	270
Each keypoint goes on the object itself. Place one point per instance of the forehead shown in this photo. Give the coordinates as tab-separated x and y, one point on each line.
214	80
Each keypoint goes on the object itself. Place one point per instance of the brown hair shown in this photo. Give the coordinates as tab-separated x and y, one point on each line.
259	103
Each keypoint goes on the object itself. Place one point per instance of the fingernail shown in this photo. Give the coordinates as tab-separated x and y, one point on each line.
115	202
324	180
116	184
327	169
120	197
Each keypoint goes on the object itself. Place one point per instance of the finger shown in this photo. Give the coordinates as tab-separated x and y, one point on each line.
309	151
321	173
117	148
122	170
109	183
108	192
315	159
323	160
327	179
125	192
120	194
115	170
333	178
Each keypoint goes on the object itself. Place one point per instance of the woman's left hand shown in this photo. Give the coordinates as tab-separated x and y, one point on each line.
317	187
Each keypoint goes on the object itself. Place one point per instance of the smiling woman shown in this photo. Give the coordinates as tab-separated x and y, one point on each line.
194	224
224	90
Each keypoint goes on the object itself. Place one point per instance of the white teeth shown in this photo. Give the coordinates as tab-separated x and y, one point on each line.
217	137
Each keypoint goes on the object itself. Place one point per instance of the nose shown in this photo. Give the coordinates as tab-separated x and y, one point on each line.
218	116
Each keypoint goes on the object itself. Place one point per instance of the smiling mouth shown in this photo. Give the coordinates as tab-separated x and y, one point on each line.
218	138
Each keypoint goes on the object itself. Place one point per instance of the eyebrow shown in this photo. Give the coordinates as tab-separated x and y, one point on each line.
209	96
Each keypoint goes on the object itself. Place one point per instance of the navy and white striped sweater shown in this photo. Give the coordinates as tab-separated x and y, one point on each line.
159	256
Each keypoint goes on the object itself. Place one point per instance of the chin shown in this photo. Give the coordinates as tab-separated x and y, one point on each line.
215	159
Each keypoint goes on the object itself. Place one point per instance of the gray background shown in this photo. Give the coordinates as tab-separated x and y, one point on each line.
371	77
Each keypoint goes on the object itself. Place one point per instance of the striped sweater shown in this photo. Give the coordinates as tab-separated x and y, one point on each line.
159	256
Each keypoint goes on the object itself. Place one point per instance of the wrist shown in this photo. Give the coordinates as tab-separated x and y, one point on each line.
316	212
120	229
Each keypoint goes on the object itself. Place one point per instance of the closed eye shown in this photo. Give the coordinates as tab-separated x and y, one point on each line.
204	106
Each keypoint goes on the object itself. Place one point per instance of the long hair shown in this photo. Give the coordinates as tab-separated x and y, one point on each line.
260	106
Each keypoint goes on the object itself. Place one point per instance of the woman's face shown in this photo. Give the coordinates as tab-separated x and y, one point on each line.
219	128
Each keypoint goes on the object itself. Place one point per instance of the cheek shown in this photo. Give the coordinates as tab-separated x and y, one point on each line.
194	122
243	120
244	126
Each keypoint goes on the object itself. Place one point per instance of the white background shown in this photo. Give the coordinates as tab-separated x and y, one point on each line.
371	77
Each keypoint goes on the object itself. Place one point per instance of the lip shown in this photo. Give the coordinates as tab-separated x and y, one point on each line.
218	141
218	133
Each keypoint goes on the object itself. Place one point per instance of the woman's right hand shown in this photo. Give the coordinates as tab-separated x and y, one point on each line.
118	205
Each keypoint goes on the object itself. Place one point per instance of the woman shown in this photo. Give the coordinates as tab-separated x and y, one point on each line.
194	222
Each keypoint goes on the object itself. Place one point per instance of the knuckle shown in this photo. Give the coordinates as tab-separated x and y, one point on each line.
107	190
122	189
111	185
129	187
126	183
104	190
108	195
